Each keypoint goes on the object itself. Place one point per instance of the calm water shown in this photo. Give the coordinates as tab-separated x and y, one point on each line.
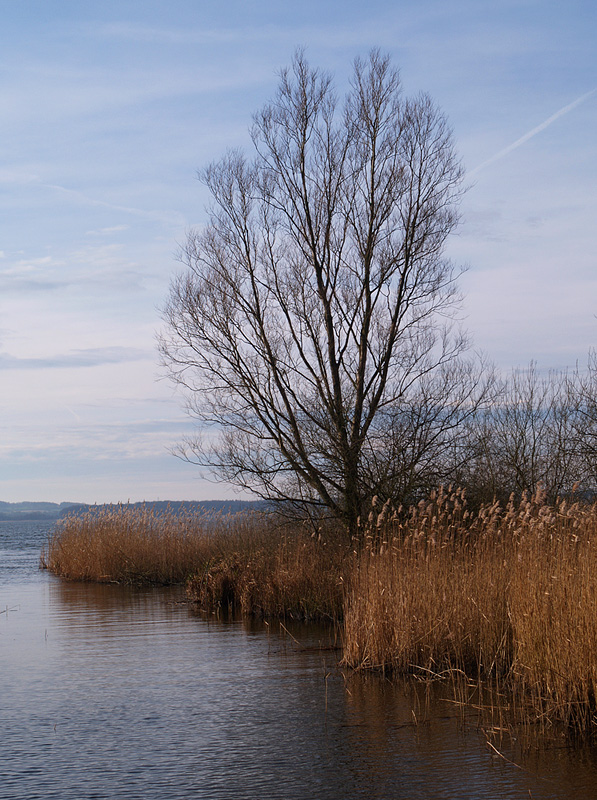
113	693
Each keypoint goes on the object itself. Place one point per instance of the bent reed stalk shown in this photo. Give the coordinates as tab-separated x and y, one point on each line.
507	596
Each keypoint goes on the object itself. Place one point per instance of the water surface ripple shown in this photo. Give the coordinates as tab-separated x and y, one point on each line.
115	693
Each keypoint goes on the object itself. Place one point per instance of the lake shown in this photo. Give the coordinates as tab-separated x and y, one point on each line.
110	692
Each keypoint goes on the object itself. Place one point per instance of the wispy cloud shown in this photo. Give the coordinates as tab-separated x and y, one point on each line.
107	231
533	132
21	177
91	357
94	268
286	36
130	439
204	35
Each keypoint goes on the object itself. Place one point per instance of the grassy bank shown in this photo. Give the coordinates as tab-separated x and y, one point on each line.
507	596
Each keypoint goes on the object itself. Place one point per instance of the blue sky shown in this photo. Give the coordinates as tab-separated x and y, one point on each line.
108	109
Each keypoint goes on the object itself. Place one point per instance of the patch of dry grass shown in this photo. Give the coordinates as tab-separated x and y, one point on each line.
277	570
507	597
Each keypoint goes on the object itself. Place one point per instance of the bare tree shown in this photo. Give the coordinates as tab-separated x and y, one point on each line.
316	306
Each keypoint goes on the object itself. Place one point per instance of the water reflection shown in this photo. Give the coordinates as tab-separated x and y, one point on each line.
121	693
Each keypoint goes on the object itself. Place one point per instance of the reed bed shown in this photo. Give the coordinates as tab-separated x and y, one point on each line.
280	570
253	562
129	545
504	595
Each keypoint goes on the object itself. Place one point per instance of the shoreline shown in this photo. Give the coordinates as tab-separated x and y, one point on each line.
503	596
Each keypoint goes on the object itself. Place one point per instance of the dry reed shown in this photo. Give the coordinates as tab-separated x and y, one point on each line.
507	595
250	562
277	570
129	545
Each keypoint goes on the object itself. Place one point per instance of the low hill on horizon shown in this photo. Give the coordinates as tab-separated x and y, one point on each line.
32	510
11	512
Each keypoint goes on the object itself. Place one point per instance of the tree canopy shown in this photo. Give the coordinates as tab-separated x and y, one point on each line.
312	327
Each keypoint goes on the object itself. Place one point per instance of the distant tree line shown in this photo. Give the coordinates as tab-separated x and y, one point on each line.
541	430
13	512
533	430
528	430
158	507
41	511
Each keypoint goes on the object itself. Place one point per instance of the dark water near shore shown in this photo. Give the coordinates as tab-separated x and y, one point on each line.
109	692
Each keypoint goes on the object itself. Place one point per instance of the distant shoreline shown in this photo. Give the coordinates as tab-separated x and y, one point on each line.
53	512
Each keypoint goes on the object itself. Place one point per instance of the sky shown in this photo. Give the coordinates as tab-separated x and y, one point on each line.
108	111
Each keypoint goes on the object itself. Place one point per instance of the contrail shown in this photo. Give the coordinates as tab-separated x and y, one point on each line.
166	218
533	132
